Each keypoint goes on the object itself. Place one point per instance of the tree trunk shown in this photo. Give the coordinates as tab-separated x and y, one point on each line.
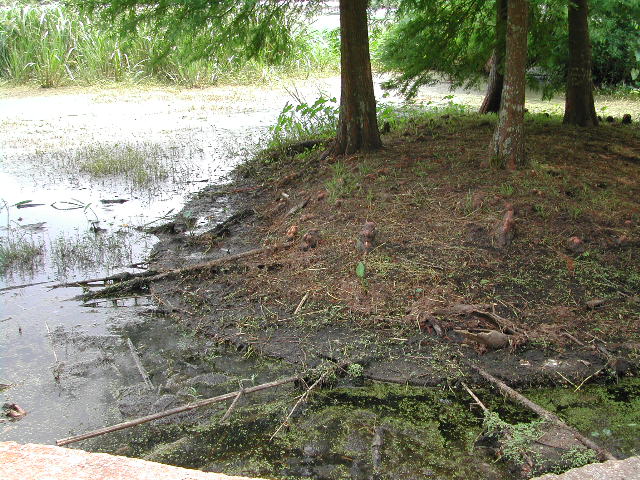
508	139
358	124
491	102
579	108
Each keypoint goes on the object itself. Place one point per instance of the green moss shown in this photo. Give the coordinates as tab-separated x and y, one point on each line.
608	414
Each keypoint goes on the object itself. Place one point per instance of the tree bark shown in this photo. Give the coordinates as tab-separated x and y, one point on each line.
507	145
491	102
579	107
357	124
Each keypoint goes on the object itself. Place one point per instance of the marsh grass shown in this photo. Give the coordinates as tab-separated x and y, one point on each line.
52	45
19	253
90	251
140	164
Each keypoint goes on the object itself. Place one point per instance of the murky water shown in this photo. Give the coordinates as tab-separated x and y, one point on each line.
65	362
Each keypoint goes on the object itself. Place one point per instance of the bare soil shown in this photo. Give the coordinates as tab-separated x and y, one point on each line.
560	285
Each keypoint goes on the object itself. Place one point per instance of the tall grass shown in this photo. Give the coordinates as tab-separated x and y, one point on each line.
52	45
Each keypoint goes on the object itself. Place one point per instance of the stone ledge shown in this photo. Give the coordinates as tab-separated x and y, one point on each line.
47	462
628	469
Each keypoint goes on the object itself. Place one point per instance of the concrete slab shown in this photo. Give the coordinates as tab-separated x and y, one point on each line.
47	462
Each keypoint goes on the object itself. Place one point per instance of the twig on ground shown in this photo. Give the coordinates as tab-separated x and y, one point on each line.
232	407
302	399
173	411
587	379
301	304
571	337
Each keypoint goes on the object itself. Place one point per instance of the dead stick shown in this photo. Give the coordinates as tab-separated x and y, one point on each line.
136	360
141	281
55	355
173	411
25	285
547	415
301	304
118	277
477	400
232	407
301	400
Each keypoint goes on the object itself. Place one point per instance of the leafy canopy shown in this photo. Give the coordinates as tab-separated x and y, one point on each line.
217	29
455	39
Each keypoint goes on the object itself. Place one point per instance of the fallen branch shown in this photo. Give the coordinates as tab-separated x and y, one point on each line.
500	322
142	281
173	411
544	413
475	398
223	228
232	407
25	285
302	399
118	277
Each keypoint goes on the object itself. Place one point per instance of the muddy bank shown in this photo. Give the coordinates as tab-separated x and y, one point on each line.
218	305
306	304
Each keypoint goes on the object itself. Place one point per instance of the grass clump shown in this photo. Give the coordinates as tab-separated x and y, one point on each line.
90	251
139	165
18	252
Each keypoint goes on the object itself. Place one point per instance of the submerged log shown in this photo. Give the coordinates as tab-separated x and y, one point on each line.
544	413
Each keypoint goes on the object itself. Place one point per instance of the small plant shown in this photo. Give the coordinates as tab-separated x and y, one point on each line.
507	190
576	457
355	370
303	121
516	440
575	213
541	210
18	252
342	183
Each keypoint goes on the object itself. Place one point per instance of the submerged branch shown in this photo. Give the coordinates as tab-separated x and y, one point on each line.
173	411
544	413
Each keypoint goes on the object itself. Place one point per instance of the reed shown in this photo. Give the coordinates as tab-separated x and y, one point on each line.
52	45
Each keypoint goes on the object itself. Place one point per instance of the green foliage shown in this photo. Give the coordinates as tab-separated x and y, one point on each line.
304	121
360	270
249	29
355	370
615	39
576	457
54	45
516	440
435	38
455	40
